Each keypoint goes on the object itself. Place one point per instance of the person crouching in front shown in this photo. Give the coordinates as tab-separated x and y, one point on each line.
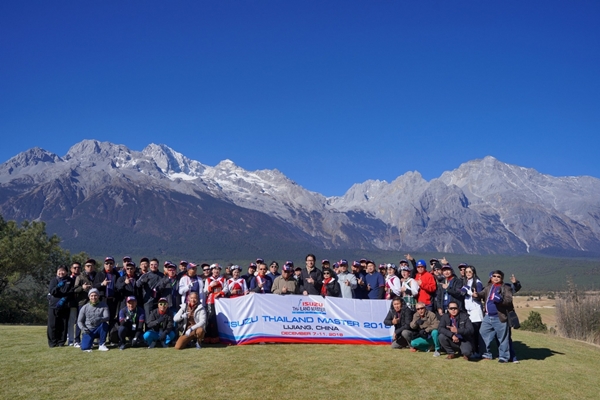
192	316
160	325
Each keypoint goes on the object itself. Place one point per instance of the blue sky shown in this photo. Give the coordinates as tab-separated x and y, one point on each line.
331	93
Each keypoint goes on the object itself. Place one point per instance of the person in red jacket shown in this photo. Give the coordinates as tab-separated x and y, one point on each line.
427	285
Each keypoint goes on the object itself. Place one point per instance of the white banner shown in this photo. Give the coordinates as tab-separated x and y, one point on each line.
259	318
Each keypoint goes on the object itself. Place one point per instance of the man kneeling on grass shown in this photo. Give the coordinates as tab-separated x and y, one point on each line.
160	325
455	331
400	317
93	322
425	324
192	316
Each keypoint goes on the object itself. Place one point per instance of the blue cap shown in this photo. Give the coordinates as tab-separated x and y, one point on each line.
421	263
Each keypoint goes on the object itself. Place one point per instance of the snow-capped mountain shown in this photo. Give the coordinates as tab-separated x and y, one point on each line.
158	195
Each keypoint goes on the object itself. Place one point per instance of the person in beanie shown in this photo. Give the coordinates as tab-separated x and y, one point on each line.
93	322
192	317
497	300
60	293
161	327
131	324
400	318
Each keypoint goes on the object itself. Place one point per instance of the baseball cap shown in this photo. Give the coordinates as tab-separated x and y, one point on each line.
421	263
131	298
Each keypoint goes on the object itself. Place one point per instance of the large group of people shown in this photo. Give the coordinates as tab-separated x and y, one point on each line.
139	305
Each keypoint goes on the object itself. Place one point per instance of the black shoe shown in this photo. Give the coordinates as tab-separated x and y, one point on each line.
122	347
152	345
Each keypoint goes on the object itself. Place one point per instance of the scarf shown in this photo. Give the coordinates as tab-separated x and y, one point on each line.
324	287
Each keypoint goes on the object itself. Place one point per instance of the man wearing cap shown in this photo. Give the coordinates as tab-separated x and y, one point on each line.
60	293
250	275
191	283
400	318
144	265
425	327
360	292
346	279
93	322
427	285
375	282
126	285
449	290
169	288
312	277
150	282
455	331
105	281
261	283
182	267
236	285
273	270
497	299
192	317
160	325
285	283
131	322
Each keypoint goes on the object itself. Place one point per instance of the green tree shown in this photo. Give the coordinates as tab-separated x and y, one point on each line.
534	323
28	260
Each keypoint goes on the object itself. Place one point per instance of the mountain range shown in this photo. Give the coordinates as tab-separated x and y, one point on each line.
105	198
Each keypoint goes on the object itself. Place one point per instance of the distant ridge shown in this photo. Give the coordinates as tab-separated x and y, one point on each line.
101	195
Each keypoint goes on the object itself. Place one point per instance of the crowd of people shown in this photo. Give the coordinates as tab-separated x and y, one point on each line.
139	305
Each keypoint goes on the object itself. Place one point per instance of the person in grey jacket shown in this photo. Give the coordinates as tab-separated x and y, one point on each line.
346	279
93	322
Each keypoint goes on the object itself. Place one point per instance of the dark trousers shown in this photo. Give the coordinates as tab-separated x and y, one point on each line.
464	346
58	323
476	338
125	331
211	327
113	305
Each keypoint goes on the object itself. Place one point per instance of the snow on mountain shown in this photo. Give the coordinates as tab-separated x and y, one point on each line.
483	206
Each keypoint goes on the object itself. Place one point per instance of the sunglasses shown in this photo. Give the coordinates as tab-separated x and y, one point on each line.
162	304
496	276
452	308
109	263
420	308
326	273
129	268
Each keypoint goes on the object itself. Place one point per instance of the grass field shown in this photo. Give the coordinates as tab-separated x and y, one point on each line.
551	368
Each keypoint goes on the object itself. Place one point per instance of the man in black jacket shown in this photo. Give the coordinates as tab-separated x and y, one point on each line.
312	277
150	284
455	331
400	317
106	283
60	293
161	327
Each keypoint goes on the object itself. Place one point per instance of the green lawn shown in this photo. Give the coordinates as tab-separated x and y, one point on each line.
551	368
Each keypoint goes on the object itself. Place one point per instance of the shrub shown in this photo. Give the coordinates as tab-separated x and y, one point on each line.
578	315
534	323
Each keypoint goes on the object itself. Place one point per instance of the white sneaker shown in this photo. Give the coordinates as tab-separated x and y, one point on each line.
77	345
103	347
436	353
87	351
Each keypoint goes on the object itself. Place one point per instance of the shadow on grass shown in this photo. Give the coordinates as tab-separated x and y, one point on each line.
525	352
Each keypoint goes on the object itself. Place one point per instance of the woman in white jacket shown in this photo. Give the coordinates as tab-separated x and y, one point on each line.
409	288
473	305
192	316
